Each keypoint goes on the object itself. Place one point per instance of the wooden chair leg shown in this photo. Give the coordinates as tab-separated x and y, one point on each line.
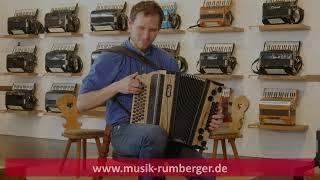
215	148
98	145
84	153
106	141
67	149
224	149
234	148
78	149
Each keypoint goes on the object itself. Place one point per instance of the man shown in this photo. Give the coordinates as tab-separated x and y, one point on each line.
113	75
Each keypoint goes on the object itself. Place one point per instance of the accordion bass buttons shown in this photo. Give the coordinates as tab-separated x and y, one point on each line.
210	98
219	89
213	92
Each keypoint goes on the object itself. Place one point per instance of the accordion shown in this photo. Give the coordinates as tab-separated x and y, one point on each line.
62	19
109	18
171	19
101	47
282	12
215	13
22	60
278	106
57	90
179	103
24	22
279	61
63	59
217	59
21	97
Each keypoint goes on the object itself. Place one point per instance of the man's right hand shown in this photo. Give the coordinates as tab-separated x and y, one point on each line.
129	85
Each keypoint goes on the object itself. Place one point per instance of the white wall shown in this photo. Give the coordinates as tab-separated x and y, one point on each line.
259	143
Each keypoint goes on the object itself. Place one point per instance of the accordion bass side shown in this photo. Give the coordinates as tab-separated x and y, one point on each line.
61	22
179	103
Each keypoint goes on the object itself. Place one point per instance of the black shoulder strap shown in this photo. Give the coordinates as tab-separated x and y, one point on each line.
130	53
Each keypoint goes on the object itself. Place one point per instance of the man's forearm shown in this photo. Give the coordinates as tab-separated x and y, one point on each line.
94	99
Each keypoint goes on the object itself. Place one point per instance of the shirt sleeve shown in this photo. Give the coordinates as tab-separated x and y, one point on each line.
102	73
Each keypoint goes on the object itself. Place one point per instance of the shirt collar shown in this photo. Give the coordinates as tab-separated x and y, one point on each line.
129	45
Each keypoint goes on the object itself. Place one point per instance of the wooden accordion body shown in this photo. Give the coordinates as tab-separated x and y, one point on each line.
179	103
278	106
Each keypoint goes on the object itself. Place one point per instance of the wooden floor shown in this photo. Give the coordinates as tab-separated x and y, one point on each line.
24	147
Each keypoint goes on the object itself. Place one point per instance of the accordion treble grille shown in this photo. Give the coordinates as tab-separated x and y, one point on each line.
138	110
189	97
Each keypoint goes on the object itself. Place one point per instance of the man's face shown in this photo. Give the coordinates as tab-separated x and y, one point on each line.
144	30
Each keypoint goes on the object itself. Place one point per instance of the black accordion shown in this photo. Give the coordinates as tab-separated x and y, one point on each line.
179	103
109	19
62	20
216	63
63	61
57	91
20	99
278	62
23	62
24	24
282	13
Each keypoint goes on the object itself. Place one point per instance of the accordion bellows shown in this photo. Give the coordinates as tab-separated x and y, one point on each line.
179	103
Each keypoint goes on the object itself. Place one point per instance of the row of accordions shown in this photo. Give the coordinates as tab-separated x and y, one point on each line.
106	17
22	97
215	13
63	57
278	106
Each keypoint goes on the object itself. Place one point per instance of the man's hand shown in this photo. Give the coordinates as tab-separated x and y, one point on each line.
129	85
216	121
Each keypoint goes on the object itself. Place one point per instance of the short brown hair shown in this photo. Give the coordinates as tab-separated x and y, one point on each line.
148	8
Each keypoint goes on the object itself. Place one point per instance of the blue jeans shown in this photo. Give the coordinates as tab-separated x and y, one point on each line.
149	141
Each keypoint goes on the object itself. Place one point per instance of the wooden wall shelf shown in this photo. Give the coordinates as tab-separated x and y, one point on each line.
308	78
108	33
217	29
19	74
296	128
172	31
62	74
97	112
281	78
5	88
284	27
64	34
33	112
220	77
22	36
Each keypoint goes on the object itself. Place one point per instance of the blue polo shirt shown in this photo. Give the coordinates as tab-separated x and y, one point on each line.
111	67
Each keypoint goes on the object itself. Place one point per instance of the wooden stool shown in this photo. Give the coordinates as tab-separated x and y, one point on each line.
231	138
67	105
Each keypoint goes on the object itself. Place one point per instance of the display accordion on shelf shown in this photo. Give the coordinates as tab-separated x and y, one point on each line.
171	20
21	97
63	59
217	58
281	12
101	47
24	21
278	106
56	91
22	59
109	17
279	58
181	104
62	19
215	13
173	48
